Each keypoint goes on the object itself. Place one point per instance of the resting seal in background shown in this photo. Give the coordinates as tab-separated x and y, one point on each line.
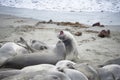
112	61
70	44
20	61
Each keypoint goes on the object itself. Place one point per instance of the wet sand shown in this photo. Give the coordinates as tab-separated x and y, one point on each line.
92	49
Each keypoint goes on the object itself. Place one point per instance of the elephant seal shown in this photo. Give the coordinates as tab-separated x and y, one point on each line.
108	72
74	74
40	75
65	64
70	44
85	68
20	61
113	70
103	74
38	67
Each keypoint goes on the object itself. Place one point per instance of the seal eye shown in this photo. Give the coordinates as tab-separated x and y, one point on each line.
70	66
33	41
41	48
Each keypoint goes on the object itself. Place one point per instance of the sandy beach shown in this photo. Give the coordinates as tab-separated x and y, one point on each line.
92	49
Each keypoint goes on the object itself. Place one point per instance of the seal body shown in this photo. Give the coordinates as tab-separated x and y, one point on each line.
40	75
38	67
12	49
70	44
74	74
113	70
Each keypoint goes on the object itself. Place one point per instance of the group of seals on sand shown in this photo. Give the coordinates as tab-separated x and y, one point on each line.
63	70
48	57
66	48
50	64
44	72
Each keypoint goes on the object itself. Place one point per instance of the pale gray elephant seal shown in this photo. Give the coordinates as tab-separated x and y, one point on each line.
38	67
40	75
20	61
110	72
74	74
70	44
103	74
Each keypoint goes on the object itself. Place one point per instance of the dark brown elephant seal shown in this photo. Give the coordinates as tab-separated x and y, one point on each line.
48	57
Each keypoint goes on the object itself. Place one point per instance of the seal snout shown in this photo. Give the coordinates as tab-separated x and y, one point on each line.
60	69
61	32
59	41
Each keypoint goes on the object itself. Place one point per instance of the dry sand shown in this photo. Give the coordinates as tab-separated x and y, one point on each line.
92	49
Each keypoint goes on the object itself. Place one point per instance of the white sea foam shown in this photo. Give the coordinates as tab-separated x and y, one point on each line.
65	5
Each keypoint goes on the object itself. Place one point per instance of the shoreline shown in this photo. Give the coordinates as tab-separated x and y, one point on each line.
92	49
106	18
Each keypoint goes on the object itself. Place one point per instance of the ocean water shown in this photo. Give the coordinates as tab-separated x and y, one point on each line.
106	18
65	5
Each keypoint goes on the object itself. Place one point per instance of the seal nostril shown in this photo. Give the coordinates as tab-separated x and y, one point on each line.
41	48
45	47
